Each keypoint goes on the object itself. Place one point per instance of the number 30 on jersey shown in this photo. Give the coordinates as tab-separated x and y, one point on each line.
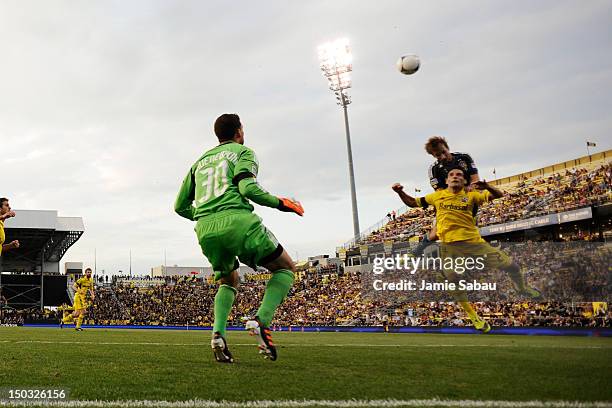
212	180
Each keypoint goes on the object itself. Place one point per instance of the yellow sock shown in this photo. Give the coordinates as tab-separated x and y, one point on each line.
79	321
470	312
67	319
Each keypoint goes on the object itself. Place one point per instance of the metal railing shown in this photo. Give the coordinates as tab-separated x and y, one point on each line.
365	233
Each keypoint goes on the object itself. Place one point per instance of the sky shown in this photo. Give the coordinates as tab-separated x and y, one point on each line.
105	105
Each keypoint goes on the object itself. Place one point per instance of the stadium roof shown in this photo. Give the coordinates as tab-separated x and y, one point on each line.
43	236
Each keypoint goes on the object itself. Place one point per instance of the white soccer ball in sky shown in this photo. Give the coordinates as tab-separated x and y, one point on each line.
408	64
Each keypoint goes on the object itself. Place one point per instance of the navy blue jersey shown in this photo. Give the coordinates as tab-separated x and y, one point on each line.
438	172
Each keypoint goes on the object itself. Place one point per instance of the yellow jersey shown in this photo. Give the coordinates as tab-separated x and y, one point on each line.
2	237
454	213
84	285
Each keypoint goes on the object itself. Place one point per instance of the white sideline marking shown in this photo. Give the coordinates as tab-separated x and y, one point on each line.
307	403
148	343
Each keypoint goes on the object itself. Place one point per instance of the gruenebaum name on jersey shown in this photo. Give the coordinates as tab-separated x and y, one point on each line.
225	154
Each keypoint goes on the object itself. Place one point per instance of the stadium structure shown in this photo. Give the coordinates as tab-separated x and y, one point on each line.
569	201
30	277
197	271
550	213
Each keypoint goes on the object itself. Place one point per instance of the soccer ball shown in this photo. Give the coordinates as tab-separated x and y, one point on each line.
408	64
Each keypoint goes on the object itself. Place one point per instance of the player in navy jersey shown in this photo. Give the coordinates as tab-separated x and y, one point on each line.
437	147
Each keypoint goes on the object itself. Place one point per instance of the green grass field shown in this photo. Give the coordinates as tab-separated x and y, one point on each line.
178	365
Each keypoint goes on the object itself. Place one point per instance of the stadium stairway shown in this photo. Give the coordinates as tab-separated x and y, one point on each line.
70	292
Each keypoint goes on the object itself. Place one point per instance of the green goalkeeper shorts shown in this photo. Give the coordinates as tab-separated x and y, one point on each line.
227	237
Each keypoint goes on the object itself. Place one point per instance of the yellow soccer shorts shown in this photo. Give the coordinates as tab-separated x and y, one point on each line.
490	256
481	253
80	302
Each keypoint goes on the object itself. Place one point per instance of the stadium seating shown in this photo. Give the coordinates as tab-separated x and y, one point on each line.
531	197
329	297
316	300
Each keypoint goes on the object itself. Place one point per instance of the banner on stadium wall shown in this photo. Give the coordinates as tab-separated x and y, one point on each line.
575	215
388	245
535	222
519	225
259	276
363	250
342	254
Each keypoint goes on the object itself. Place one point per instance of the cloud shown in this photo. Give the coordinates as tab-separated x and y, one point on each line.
104	106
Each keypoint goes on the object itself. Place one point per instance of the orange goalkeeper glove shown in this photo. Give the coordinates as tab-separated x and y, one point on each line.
289	205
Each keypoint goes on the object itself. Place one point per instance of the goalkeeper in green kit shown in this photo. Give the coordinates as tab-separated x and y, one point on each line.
216	193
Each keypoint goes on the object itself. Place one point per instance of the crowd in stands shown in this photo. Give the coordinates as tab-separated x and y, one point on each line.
531	197
499	314
565	270
11	316
329	297
175	300
559	192
315	300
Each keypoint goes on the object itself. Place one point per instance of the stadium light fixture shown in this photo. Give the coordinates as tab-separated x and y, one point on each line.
336	62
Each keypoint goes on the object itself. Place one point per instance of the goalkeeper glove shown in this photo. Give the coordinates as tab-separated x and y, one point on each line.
289	205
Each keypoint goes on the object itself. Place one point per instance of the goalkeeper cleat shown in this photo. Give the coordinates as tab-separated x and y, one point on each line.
264	337
220	350
482	326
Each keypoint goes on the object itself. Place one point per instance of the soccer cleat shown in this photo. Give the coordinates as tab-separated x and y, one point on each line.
264	337
522	288
79	329
61	323
220	350
482	326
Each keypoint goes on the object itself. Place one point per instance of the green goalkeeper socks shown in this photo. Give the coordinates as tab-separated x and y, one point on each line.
224	300
276	290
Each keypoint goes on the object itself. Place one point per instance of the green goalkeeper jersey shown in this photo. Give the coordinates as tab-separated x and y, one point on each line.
211	185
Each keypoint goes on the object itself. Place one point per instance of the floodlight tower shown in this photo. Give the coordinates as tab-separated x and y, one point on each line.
336	61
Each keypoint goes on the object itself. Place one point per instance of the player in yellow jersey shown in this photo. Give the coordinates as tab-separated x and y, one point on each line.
84	295
6	213
66	311
460	236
